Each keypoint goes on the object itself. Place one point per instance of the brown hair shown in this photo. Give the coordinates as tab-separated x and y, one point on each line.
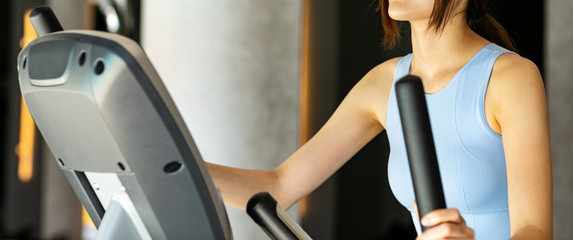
476	17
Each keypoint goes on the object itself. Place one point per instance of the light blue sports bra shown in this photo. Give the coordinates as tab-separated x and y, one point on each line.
470	154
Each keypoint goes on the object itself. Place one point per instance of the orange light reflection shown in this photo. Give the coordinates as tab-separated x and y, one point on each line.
304	85
25	148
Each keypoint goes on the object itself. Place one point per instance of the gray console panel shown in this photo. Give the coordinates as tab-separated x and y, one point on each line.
102	108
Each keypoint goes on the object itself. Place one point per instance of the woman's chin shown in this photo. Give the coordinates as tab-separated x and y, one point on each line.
397	16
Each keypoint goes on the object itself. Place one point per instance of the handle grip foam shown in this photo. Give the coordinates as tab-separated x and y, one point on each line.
45	21
273	219
420	145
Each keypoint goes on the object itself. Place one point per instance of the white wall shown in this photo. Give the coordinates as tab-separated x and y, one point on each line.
232	67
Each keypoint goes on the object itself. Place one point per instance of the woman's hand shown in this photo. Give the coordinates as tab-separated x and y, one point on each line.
445	224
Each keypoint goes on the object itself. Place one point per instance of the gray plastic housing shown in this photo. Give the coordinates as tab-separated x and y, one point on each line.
102	108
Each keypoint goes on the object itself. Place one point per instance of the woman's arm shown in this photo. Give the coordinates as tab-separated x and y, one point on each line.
519	105
358	119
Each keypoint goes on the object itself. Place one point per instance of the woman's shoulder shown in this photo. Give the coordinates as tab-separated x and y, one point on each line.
513	72
382	74
386	68
376	85
515	83
513	64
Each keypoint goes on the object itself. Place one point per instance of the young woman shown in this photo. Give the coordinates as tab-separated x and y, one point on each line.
489	118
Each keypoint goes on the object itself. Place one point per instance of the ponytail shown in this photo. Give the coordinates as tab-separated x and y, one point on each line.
487	27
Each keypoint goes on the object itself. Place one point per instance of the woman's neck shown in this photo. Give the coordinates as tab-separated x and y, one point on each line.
439	54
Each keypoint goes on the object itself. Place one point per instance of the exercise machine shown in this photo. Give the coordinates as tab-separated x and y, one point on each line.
117	135
122	144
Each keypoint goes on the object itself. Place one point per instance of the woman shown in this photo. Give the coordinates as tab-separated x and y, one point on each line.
489	118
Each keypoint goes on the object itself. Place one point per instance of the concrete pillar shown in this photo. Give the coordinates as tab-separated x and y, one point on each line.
559	76
232	67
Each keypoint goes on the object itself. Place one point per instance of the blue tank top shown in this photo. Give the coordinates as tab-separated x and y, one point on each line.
470	154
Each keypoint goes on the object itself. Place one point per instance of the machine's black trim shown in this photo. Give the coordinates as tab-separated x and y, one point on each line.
90	193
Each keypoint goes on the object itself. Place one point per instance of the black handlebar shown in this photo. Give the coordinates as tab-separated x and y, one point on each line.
45	21
273	219
420	145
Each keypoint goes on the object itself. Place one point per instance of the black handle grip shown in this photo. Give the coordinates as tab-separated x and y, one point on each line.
420	145
266	212
45	21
